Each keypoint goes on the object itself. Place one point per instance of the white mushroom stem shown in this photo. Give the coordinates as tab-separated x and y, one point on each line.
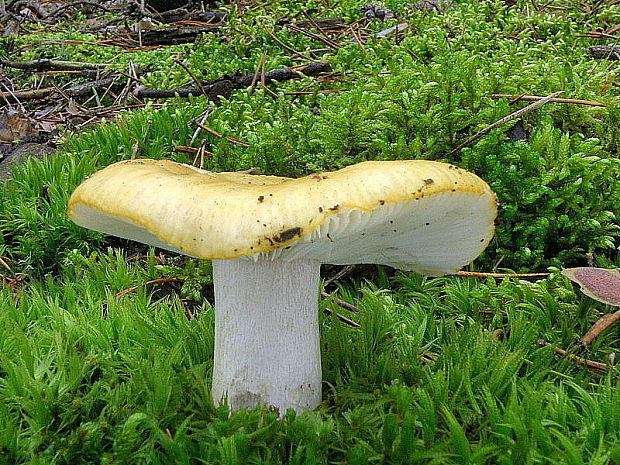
267	334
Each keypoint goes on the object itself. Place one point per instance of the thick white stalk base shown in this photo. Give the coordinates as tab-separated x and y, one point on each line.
267	334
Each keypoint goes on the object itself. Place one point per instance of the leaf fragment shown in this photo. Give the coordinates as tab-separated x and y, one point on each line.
601	284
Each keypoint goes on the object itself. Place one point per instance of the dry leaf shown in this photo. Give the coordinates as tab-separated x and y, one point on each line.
14	125
601	284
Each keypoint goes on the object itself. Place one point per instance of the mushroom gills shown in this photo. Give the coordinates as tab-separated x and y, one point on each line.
433	235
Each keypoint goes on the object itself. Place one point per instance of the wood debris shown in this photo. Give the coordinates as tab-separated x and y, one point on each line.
223	86
605	52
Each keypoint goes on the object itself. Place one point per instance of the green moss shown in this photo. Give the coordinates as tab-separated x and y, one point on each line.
90	378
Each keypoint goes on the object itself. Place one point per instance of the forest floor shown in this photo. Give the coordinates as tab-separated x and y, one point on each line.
106	347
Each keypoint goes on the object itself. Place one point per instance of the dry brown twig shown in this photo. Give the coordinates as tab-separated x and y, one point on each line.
154	281
512	116
75	91
479	274
6	265
340	302
290	49
322	91
312	22
203	118
599	35
200	154
597	368
342	318
194	78
330	43
597	328
222	136
12	282
45	64
259	71
535	98
341	274
226	84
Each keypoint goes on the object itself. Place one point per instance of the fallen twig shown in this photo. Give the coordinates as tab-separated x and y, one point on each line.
599	35
222	87
398	28
182	14
45	64
597	368
88	87
340	302
190	150
76	91
504	120
18	95
154	281
6	265
335	23
605	52
259	71
601	325
174	35
194	78
479	274
312	35
98	111
222	136
314	24
553	100
342	273
12	282
200	155
202	118
311	92
290	49
342	318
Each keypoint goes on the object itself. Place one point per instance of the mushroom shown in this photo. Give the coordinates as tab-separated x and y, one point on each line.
268	236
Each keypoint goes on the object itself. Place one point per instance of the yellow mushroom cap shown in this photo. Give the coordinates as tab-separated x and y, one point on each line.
417	215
